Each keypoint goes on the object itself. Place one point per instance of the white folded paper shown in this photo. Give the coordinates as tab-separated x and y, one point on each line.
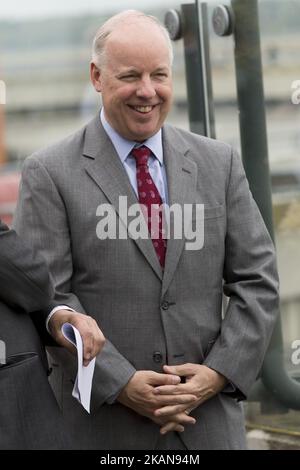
83	384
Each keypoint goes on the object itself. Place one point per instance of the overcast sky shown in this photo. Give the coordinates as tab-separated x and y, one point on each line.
13	9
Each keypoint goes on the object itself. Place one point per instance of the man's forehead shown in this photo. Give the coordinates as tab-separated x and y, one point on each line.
137	60
136	32
135	23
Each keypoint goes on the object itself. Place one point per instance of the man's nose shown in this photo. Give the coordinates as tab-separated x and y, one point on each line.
146	89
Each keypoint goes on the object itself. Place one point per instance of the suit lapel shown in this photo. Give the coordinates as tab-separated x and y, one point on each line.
104	166
181	178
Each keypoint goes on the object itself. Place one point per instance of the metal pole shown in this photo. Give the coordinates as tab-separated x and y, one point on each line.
251	105
197	64
255	158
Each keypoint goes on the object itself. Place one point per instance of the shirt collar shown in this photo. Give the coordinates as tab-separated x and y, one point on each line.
123	146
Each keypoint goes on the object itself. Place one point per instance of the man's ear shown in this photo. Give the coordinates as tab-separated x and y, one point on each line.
95	77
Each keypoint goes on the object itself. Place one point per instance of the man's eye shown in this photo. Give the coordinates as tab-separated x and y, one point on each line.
127	77
161	75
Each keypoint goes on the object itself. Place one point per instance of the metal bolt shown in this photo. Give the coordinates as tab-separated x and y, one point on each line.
173	24
222	20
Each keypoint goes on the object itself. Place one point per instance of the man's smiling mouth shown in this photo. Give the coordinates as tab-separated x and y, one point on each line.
143	109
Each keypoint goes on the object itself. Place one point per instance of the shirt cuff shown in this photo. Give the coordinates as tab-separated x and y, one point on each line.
55	309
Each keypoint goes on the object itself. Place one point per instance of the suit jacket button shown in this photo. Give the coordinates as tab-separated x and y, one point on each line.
165	305
157	357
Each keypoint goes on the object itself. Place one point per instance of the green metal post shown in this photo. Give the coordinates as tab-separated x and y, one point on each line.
251	105
255	158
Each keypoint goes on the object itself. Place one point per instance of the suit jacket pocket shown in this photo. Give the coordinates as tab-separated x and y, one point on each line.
29	415
16	360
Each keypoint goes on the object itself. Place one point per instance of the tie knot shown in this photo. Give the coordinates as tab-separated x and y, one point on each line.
141	155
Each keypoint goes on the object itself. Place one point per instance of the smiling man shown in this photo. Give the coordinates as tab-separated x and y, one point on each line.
136	93
172	371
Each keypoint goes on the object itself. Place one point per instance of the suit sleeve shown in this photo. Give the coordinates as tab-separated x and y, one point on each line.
24	278
250	282
41	203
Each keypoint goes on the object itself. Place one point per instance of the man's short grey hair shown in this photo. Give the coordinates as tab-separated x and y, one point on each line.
98	50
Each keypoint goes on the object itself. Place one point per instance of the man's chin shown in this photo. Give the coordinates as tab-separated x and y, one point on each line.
141	135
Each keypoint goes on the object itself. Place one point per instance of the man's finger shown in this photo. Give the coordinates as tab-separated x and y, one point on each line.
164	400
163	379
180	389
174	410
171	427
182	419
65	343
181	370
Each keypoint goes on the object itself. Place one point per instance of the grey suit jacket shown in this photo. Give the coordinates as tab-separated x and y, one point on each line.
29	415
149	317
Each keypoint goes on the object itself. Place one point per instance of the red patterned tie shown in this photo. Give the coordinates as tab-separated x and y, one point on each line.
149	196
